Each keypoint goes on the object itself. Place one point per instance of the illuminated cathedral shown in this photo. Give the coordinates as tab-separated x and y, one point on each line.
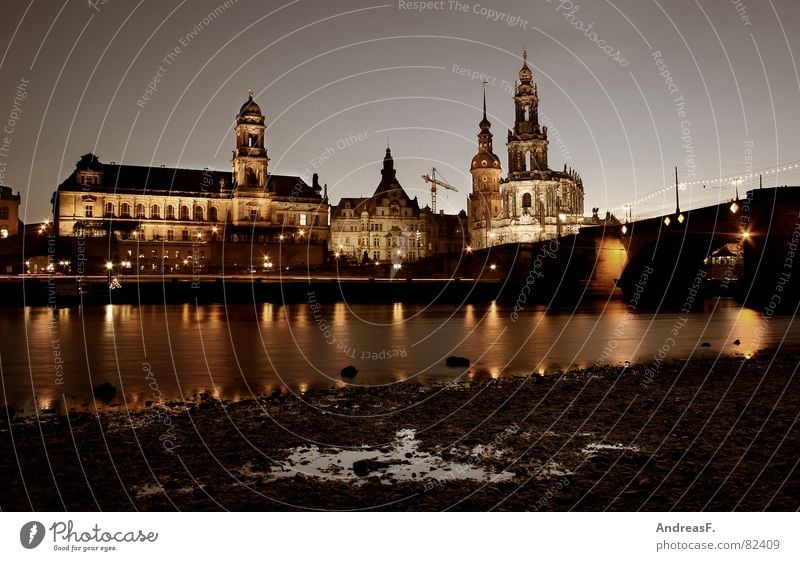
532	202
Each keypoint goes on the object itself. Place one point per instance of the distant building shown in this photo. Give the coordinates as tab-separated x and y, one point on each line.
11	232
9	213
391	226
533	202
168	219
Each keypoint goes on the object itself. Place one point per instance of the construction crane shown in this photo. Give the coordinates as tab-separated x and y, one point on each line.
434	182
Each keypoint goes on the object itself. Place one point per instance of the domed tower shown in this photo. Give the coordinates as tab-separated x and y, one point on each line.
484	201
527	143
250	157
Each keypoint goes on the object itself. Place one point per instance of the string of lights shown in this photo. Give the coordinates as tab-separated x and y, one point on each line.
711	189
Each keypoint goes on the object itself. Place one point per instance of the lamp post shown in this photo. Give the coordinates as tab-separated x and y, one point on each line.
109	267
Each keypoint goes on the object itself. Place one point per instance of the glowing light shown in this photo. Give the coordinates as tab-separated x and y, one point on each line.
746	235
624	229
667	221
469	249
562	217
681	218
214	229
734	208
109	265
493	266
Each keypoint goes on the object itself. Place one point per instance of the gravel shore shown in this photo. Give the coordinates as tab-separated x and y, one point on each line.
699	435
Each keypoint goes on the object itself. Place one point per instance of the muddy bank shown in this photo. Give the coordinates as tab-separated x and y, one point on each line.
687	436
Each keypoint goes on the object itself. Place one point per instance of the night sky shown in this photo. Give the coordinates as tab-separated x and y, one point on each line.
335	79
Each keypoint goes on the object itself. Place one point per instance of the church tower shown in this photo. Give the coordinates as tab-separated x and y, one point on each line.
484	201
250	157
527	143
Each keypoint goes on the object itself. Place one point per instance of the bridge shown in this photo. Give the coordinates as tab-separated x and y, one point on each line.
667	256
665	260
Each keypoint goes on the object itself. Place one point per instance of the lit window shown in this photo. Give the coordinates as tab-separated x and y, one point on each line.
303	220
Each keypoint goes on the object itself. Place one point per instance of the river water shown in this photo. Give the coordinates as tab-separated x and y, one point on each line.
53	358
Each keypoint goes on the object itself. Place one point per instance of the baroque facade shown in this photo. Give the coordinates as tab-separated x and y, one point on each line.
171	206
390	226
533	202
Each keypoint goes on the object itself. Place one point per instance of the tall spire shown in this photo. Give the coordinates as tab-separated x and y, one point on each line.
484	99
485	125
525	74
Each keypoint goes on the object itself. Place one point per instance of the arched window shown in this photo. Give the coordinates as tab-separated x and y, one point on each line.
252	178
184	212
526	200
125	210
170	212
213	215
155	211
140	211
109	209
198	213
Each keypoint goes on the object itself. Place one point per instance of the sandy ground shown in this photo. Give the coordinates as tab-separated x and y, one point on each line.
702	435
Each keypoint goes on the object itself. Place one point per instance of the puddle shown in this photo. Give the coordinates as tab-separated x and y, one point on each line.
400	461
595	447
152	489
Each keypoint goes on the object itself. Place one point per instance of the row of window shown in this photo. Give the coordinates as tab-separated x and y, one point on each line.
378	227
185	213
155	212
394	212
392	242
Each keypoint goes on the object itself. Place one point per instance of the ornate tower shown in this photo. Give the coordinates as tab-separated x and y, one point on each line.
250	157
527	143
484	201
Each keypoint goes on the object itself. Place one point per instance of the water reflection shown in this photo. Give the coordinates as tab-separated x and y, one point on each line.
235	352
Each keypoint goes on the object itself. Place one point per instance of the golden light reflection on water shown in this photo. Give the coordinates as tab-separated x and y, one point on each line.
228	344
340	313
469	315
267	312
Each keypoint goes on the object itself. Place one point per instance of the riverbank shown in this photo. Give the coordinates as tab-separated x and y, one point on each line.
703	435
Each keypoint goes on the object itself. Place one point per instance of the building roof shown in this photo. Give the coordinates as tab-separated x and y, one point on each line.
388	188
138	180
